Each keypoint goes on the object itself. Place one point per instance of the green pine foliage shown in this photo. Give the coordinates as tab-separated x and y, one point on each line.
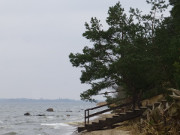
175	39
137	51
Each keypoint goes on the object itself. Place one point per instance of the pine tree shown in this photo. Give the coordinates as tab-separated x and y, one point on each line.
121	55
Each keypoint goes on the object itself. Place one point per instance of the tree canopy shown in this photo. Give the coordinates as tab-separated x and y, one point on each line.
137	51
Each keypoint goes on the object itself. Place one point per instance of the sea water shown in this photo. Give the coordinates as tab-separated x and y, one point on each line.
13	121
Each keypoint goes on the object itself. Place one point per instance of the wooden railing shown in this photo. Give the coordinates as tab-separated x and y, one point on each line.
87	114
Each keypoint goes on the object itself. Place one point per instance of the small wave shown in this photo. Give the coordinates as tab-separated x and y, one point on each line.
74	123
10	133
54	124
50	117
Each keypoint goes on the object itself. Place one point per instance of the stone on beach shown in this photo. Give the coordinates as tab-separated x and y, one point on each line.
50	110
41	115
27	114
107	132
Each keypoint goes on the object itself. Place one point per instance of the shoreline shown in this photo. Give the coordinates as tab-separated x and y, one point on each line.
122	129
114	131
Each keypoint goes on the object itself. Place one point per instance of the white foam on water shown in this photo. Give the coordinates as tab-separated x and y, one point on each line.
69	129
54	124
50	117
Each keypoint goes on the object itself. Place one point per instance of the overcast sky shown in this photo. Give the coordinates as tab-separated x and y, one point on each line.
36	37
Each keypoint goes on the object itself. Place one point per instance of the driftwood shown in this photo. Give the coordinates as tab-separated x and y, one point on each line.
165	118
177	92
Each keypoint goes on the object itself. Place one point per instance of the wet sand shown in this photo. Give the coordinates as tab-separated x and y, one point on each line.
116	131
107	132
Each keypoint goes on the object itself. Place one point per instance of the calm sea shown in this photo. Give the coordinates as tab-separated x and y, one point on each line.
13	121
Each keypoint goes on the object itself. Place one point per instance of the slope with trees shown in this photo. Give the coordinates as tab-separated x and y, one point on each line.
139	52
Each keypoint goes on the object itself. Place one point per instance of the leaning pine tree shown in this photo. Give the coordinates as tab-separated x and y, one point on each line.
120	55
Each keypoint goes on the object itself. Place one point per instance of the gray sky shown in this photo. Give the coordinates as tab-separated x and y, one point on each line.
36	37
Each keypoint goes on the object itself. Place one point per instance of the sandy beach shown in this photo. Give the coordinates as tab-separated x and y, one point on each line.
122	130
115	131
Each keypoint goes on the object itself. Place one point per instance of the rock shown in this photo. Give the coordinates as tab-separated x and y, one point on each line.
68	111
50	110
41	115
27	114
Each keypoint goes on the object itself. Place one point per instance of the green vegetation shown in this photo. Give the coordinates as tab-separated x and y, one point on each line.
176	38
139	52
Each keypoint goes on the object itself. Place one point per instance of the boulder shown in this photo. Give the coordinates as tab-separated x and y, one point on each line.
68	111
27	114
41	115
50	110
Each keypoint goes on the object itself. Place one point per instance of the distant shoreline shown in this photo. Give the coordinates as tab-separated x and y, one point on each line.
38	100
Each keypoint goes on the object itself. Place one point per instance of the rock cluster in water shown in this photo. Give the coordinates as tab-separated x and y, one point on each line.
48	110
